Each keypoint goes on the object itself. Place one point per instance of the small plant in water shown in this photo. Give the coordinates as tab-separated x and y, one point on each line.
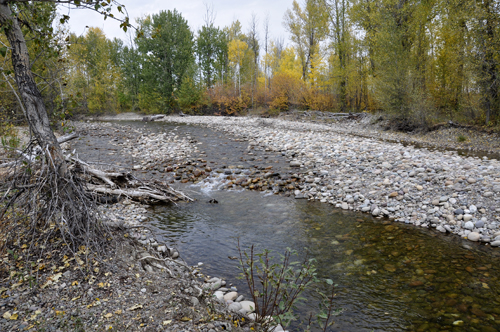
276	287
461	138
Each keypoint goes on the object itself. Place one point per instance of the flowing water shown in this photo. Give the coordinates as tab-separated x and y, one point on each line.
390	276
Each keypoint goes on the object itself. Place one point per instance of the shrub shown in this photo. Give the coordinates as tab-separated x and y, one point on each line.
276	288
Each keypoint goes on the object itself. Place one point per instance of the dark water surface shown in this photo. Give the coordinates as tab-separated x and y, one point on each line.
390	276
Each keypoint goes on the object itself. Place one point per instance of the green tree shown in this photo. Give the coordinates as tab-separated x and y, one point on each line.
167	50
211	49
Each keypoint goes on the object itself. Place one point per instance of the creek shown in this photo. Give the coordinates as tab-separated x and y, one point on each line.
390	276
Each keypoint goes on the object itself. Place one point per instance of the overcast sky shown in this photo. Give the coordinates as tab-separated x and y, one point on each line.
193	11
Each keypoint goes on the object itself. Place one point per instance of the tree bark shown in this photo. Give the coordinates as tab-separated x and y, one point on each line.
36	113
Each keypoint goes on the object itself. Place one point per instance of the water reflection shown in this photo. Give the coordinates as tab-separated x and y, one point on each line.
391	277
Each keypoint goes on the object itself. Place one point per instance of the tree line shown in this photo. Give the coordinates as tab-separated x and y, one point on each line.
420	61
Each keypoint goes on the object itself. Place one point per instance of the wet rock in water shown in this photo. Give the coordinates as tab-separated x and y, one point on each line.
390	268
473	236
495	243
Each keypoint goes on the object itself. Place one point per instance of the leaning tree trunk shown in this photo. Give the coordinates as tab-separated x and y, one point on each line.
36	113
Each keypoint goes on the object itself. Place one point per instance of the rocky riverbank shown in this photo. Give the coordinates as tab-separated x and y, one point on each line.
433	189
138	284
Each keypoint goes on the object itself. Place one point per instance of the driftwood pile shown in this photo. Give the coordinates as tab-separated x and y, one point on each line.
103	185
152	117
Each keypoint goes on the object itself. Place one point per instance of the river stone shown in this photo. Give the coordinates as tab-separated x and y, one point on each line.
231	296
441	229
458	211
443	198
473	236
495	244
248	306
452	200
469	225
472	209
496	189
471	180
479	224
295	163
488	194
467	217
235	306
219	295
345	206
393	194
376	212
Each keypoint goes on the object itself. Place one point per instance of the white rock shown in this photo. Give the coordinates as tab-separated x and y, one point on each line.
219	295
231	296
235	306
473	236
469	225
249	306
467	217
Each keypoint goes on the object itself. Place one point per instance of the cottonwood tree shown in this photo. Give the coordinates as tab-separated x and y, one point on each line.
308	26
167	48
56	200
36	112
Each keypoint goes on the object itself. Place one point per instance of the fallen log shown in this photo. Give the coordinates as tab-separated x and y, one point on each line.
141	194
153	117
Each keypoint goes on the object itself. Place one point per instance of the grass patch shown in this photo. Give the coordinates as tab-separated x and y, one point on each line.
461	138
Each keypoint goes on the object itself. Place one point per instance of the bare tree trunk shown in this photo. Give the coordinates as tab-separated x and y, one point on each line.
36	114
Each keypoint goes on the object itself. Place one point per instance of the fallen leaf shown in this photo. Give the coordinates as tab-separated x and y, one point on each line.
185	319
74	283
7	315
16	285
135	307
109	315
75	298
56	277
166	322
101	285
118	312
79	261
